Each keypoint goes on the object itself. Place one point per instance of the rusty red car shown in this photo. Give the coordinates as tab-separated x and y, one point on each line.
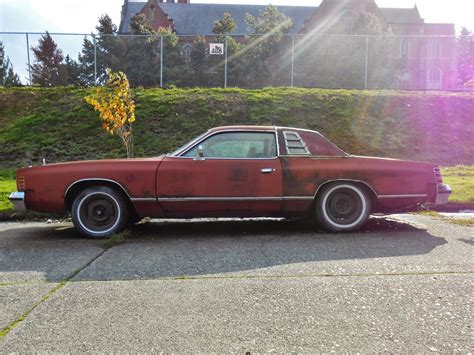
233	171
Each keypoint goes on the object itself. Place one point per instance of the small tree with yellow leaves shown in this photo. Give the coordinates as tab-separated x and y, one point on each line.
116	108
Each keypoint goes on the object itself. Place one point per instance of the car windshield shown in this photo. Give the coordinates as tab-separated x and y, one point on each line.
177	151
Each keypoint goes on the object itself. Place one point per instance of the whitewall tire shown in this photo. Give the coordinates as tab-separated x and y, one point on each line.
342	207
99	212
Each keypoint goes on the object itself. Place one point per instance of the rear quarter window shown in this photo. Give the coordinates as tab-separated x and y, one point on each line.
300	143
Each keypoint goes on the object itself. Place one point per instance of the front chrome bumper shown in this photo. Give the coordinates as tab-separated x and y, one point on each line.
442	194
18	200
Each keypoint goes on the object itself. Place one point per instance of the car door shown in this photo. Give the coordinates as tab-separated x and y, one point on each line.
226	173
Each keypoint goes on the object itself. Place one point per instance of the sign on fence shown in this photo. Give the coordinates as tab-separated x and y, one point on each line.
216	48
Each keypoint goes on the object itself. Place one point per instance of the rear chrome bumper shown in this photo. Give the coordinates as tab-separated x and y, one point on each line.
18	200
442	194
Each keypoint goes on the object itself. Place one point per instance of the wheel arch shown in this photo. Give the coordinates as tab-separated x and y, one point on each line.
77	186
372	194
328	223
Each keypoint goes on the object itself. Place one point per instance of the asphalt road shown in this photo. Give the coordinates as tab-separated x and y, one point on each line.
402	284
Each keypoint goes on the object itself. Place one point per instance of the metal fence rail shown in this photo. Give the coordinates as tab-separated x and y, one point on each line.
326	61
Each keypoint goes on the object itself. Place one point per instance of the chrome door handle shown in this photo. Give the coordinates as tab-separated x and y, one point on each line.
267	170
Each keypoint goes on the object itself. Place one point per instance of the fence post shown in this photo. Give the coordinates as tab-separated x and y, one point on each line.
28	56
161	61
292	59
95	59
225	61
366	77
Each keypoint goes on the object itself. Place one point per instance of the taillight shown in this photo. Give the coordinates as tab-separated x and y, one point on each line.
20	181
437	176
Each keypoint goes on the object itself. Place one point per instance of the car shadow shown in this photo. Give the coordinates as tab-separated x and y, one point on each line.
193	248
213	227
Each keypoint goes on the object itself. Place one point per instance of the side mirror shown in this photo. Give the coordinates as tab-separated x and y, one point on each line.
200	151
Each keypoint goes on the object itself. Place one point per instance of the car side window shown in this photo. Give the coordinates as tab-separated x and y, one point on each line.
295	144
237	145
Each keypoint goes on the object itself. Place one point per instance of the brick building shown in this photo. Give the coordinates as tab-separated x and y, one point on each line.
428	50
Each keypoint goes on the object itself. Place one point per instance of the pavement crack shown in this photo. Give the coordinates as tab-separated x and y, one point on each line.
290	276
48	295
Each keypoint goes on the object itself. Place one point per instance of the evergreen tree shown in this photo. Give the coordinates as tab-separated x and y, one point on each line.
199	62
46	70
225	25
174	66
108	52
269	22
222	28
71	72
465	56
141	62
12	79
139	25
7	75
336	59
3	64
263	61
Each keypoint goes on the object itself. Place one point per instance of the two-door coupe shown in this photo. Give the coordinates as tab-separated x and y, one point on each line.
235	171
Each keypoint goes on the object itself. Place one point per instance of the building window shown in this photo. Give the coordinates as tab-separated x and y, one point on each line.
404	47
152	14
346	22
435	74
435	79
404	80
187	49
435	48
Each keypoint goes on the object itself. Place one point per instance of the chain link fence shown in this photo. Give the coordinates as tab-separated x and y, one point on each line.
312	61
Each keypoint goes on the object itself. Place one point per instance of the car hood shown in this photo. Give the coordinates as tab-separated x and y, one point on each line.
93	164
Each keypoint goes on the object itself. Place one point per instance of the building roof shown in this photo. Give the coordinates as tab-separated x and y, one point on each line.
398	16
199	18
131	9
193	19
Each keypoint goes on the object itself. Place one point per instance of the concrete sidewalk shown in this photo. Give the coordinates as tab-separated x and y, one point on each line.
402	284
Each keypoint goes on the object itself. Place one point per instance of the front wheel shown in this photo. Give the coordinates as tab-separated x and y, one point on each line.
342	207
99	212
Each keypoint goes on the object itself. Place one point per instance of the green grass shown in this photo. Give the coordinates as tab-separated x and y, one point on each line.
428	213
462	222
459	221
461	180
116	239
57	124
7	185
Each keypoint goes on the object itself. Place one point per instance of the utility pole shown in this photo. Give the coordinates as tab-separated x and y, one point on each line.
28	56
161	61
95	59
225	61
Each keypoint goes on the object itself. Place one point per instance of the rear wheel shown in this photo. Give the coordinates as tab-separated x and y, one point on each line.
99	212
342	207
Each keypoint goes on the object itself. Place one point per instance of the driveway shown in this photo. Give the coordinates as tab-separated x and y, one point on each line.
404	283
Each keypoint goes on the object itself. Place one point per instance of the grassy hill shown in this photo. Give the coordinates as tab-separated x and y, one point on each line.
58	125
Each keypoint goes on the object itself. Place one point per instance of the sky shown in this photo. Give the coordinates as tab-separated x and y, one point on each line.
80	16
